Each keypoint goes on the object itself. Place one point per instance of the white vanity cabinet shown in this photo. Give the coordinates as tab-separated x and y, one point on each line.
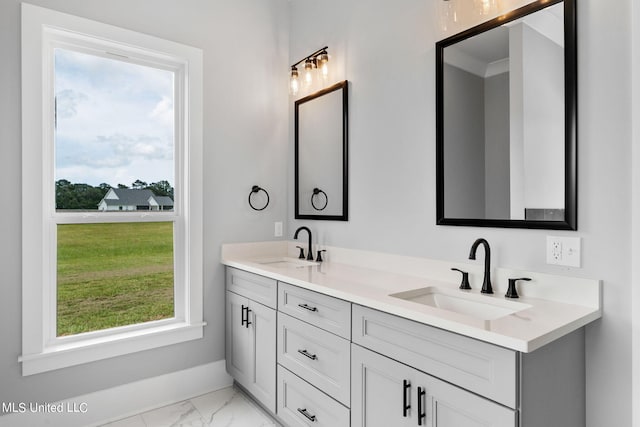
317	360
251	334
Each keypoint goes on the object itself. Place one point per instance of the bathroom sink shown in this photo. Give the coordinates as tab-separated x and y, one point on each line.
479	306
286	262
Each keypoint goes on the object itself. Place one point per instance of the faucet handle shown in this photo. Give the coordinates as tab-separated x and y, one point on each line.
319	257
301	256
512	292
464	284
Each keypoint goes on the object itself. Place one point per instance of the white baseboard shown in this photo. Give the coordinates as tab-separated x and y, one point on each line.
122	401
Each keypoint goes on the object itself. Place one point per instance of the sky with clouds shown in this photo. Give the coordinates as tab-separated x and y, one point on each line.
114	121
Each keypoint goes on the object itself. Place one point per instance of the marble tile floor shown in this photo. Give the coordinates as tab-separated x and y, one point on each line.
228	407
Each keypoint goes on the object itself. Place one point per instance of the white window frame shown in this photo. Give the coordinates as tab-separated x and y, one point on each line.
42	31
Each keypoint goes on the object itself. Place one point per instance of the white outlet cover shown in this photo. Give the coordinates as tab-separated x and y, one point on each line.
564	251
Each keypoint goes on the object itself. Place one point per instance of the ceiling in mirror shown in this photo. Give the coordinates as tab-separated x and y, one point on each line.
506	125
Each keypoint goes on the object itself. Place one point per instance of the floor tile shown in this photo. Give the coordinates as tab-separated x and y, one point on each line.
135	421
178	414
230	407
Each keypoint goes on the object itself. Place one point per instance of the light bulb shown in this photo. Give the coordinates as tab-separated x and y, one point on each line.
323	64
486	7
294	82
308	72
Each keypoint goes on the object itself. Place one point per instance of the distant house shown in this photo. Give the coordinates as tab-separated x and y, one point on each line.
127	199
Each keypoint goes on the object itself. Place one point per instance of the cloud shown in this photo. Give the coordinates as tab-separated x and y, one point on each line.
163	111
147	147
67	103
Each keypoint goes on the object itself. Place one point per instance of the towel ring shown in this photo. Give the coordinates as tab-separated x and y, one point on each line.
256	189
317	191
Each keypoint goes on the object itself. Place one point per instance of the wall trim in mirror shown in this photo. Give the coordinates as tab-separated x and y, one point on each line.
321	154
497	164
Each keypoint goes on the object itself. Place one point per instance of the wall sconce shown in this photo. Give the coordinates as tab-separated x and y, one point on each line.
314	64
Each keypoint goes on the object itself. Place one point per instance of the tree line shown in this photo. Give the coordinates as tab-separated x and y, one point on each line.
86	197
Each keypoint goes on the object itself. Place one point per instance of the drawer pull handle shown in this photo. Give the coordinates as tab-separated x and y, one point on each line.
406	387
307	354
307	307
422	412
304	412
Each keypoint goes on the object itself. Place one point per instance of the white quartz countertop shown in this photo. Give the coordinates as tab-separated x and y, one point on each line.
538	321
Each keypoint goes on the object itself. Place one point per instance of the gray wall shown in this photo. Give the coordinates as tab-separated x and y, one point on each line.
496	108
386	50
245	138
464	153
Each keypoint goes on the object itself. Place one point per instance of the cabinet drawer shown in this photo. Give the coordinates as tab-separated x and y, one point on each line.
483	368
301	404
323	311
253	286
315	355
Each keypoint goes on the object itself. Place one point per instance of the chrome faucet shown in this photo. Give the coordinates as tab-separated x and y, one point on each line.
486	284
310	252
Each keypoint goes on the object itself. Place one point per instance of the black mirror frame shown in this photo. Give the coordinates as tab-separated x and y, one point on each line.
344	86
571	127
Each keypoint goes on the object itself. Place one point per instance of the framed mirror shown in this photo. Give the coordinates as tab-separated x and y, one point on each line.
321	146
506	121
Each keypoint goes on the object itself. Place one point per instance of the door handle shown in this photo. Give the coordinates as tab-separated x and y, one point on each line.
406	387
422	410
245	316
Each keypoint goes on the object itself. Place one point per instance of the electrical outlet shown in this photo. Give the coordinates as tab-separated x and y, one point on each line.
277	229
563	251
556	250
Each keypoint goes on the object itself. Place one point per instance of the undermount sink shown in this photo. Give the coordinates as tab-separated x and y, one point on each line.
479	306
286	262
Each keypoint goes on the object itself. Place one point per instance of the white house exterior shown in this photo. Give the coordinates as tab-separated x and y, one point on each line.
127	199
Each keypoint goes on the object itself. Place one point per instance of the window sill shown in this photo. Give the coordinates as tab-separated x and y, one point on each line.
93	349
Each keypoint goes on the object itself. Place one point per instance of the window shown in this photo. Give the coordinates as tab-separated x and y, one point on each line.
112	184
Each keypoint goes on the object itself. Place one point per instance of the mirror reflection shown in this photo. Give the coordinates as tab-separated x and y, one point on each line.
502	128
321	155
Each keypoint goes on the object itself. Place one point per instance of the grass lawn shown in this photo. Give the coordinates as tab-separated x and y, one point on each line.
113	275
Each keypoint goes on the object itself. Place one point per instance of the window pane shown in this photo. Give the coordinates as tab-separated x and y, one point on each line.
114	128
113	274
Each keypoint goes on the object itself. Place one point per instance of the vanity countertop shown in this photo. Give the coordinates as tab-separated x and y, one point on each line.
526	330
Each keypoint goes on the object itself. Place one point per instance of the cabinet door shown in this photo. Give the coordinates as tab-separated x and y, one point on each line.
450	406
239	340
251	347
382	391
263	325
